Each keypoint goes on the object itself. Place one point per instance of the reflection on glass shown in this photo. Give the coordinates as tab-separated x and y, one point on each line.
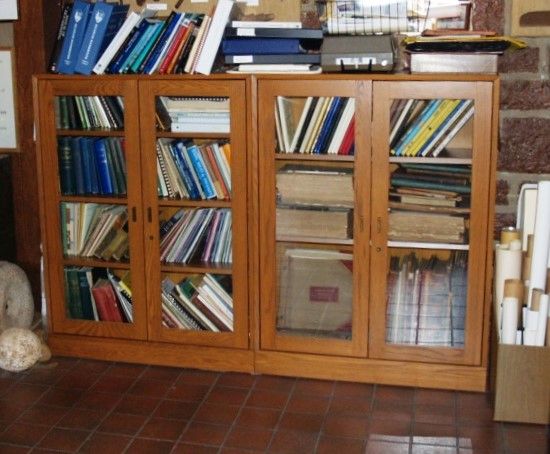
98	294
427	298
315	292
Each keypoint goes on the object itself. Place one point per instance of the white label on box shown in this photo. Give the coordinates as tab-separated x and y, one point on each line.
243	58
246	32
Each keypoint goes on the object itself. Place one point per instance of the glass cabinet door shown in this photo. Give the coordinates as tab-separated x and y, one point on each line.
313	161
431	155
193	139
91	165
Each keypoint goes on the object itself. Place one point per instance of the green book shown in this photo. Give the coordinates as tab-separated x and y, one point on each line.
72	295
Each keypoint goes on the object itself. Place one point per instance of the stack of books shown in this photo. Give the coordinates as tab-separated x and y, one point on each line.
200	235
186	170
98	294
198	302
103	38
193	114
94	230
429	203
271	47
315	125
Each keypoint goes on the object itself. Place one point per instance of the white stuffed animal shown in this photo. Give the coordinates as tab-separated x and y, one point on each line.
16	301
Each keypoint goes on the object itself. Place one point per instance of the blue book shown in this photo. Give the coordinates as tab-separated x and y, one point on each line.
188	180
143	40
85	294
87	146
78	21
416	125
105	21
78	167
102	167
135	67
173	20
132	42
327	125
85	162
204	179
264	46
66	165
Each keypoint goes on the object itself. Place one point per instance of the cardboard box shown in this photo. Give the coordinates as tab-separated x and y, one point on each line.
522	384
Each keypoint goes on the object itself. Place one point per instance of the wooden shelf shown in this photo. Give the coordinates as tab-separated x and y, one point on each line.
312	157
194	203
94	263
428	160
106	200
91	132
421	245
196	269
313	240
193	135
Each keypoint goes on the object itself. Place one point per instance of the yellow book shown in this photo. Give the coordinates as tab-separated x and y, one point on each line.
429	127
318	122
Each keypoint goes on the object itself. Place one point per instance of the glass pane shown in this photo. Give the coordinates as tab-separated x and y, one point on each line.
200	302
315	125
427	292
191	169
93	230
99	294
315	292
89	112
187	114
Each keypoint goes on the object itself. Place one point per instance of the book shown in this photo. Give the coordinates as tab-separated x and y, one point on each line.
305	58
289	110
108	307
342	127
198	42
314	221
78	22
106	19
127	46
265	24
206	57
453	62
60	37
161	43
245	46
272	32
315	185
458	124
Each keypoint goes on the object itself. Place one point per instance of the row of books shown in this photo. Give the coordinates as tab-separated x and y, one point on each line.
189	171
192	114
420	127
429	203
103	37
200	235
94	230
92	165
427	300
198	302
98	294
315	125
89	112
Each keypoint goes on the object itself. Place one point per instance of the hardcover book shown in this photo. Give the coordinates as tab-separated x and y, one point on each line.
78	22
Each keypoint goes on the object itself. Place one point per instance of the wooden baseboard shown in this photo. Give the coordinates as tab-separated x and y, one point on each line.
398	373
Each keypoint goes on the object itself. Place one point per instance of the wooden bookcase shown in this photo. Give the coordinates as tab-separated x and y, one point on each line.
146	338
412	310
318	305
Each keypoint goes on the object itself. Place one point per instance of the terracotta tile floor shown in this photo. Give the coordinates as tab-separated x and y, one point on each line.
74	405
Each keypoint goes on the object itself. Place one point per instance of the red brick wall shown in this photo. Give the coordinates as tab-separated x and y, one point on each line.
524	146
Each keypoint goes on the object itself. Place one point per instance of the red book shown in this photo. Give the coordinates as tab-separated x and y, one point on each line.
174	46
349	139
106	302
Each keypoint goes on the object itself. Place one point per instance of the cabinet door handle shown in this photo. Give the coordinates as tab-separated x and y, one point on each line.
149	214
134	214
378	224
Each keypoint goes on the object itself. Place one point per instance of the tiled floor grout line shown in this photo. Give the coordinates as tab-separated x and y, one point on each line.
283	410
107	414
320	433
192	417
234	423
152	412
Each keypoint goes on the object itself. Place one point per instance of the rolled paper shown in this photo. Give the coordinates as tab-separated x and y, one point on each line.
541	242
527	205
529	250
508	234
547	287
542	320
531	322
516	289
519	337
535	299
509	320
529	337
507	266
526	267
